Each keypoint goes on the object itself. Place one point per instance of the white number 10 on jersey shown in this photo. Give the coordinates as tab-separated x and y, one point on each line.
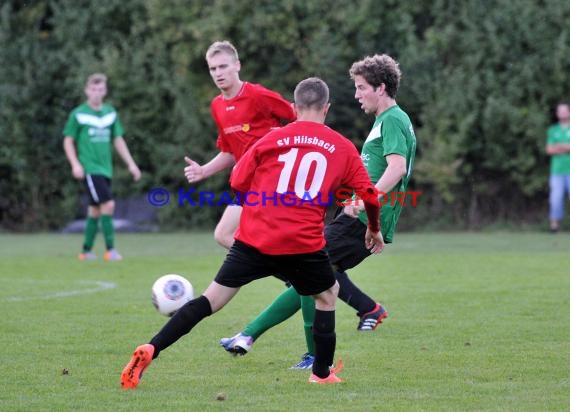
307	161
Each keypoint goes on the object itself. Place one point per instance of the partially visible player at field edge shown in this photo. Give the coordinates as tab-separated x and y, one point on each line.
278	239
558	147
243	113
92	130
388	154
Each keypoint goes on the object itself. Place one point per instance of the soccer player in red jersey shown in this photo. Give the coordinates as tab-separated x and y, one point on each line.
243	113
281	230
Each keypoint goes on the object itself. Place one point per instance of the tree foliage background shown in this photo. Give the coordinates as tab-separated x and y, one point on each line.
480	81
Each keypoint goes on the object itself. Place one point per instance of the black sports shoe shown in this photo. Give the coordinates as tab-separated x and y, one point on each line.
371	320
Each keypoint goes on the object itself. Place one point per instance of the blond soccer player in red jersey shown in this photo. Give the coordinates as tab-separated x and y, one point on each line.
243	113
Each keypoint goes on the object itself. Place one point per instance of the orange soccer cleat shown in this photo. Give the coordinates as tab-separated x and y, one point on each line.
332	378
112	255
142	357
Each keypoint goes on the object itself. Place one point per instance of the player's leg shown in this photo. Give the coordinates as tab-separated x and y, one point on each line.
308	310
346	246
226	227
370	312
90	233
351	294
211	301
179	325
92	220
242	265
312	274
281	309
100	190
108	228
567	186
346	249
324	331
556	201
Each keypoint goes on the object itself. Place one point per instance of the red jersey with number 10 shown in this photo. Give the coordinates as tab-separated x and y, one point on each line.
247	117
286	180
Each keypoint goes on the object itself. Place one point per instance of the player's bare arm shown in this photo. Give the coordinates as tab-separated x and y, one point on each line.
71	153
123	150
195	172
558	148
395	170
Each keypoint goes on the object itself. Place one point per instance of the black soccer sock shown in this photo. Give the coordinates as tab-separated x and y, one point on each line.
325	342
352	295
181	323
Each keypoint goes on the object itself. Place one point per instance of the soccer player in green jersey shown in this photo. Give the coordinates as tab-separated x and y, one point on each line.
389	150
558	146
91	131
388	155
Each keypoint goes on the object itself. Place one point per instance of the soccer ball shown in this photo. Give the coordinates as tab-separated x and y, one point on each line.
170	293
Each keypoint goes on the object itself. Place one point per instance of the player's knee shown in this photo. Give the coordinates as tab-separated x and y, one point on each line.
327	299
107	208
95	215
334	290
94	212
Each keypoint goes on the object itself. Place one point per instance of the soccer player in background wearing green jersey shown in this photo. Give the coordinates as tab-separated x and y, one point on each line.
91	131
388	155
558	146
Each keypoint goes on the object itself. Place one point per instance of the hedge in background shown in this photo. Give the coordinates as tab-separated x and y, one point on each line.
479	81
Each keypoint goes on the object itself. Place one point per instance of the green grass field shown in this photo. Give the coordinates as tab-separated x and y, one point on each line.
477	322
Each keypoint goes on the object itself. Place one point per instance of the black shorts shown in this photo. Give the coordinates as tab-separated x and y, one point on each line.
345	242
98	189
308	273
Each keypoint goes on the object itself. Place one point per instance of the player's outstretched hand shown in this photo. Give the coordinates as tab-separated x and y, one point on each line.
374	241
193	171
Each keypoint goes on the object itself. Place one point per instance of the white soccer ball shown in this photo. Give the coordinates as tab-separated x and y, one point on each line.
170	293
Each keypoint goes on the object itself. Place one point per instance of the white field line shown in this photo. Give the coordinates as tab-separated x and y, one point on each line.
99	287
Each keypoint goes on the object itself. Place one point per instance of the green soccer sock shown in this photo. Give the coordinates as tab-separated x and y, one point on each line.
108	231
308	309
282	308
91	227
